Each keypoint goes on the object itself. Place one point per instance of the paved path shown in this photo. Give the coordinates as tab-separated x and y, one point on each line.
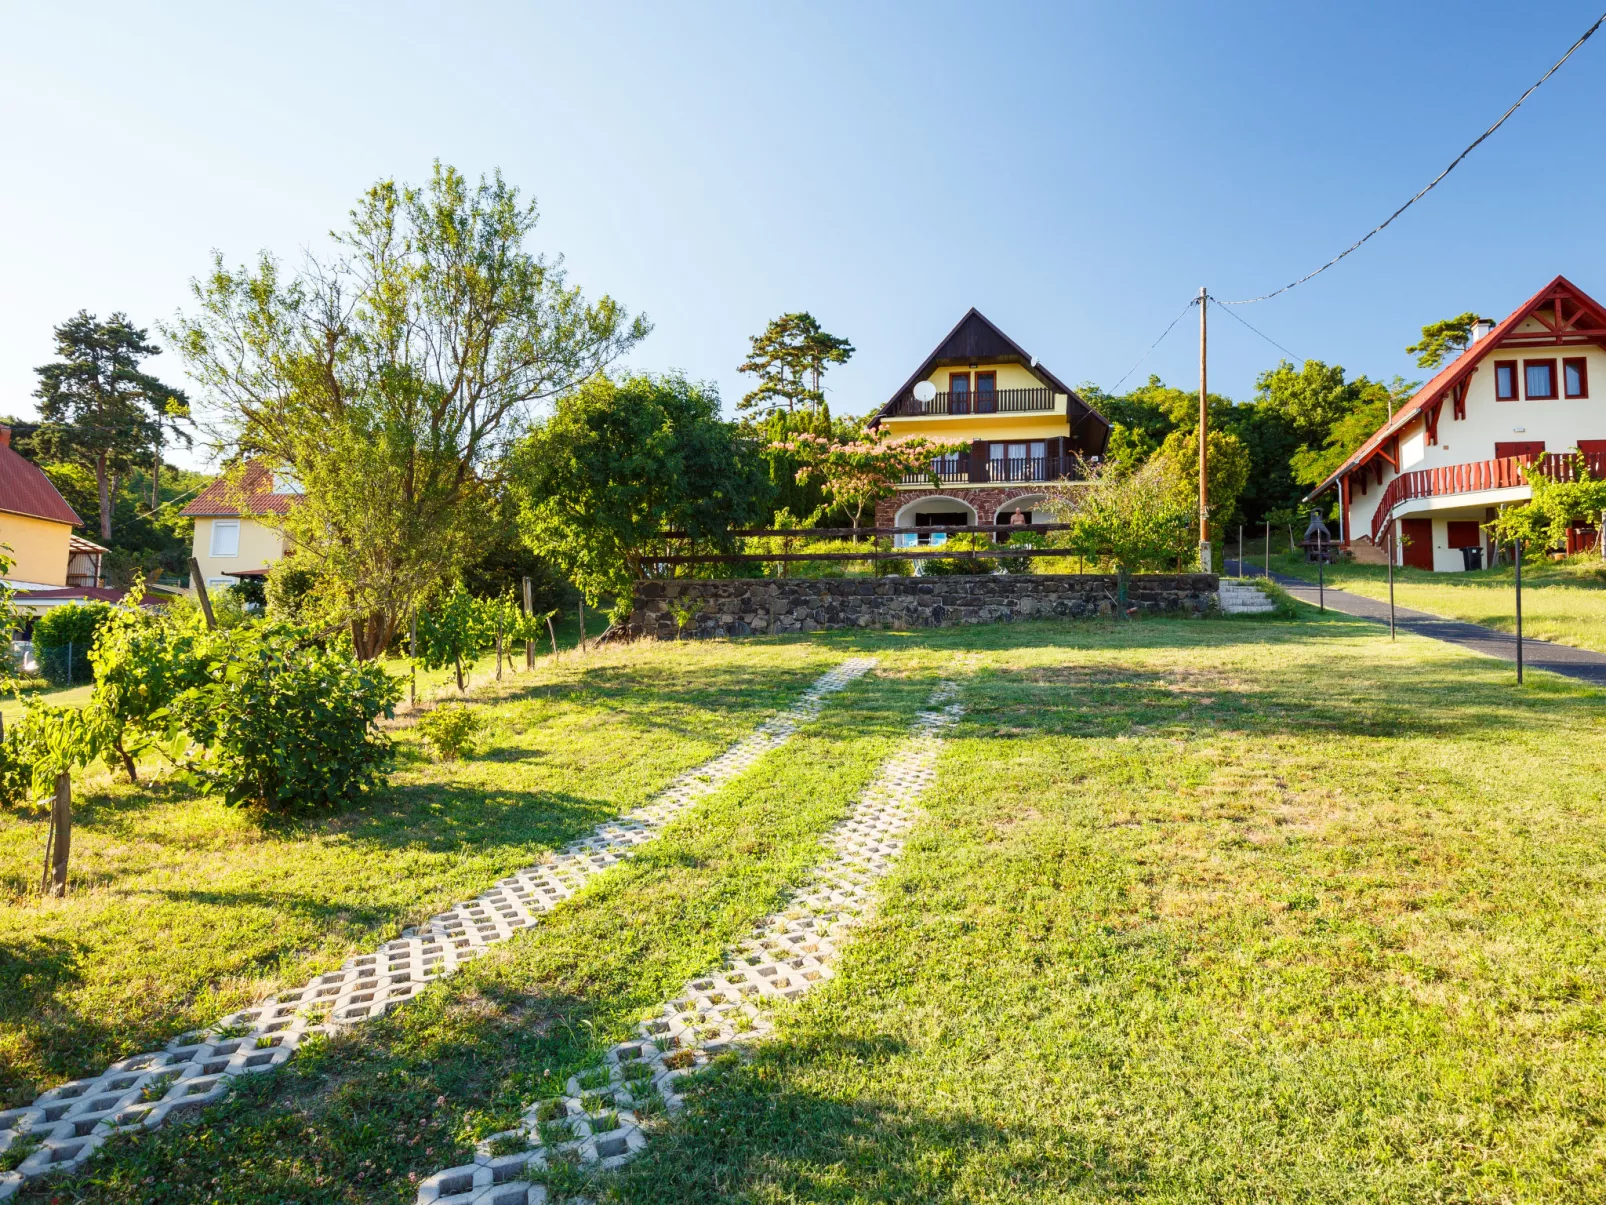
1536	654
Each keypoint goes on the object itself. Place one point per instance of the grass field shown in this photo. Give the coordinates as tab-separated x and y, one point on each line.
183	909
1199	912
1563	602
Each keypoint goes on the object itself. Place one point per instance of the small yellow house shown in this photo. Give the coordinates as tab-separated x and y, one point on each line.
1025	428
231	539
35	521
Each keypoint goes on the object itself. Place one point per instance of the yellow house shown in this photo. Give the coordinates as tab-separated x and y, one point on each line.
1024	426
231	540
35	521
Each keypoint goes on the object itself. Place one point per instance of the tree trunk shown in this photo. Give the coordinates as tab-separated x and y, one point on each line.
458	662
128	761
103	486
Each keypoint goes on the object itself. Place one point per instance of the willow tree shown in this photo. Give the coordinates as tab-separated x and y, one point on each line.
387	379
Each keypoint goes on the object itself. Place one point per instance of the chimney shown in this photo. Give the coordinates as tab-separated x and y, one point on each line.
5	436
1480	329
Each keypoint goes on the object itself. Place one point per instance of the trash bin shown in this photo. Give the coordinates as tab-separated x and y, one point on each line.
1472	558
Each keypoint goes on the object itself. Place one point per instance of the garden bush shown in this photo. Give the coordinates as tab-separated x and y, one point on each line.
143	662
450	730
283	724
965	541
63	636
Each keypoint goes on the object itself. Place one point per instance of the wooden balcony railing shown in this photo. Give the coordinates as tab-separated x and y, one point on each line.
998	401
972	471
1504	473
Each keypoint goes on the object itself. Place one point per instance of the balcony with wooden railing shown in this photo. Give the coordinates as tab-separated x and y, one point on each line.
982	401
968	470
1508	472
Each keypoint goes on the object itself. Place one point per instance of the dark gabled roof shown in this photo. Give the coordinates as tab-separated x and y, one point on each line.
1462	366
223	498
25	490
975	339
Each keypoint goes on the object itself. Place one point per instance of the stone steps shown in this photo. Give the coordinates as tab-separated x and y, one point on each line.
1243	598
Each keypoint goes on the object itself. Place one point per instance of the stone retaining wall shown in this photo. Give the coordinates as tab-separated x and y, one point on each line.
744	607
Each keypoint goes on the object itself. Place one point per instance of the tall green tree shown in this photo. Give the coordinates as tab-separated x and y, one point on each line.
99	408
392	378
790	359
1441	340
617	464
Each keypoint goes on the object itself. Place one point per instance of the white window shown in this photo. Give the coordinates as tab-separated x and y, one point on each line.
225	537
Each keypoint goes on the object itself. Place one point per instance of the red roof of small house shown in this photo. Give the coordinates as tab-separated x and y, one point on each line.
105	594
25	490
1587	310
252	495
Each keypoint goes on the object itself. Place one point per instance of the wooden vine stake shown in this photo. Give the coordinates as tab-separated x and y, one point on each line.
200	593
529	642
58	843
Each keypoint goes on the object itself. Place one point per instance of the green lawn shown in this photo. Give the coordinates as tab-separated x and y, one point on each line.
1200	911
1563	602
183	909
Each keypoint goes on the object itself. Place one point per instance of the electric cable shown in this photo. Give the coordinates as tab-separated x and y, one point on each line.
1191	303
1588	33
1233	314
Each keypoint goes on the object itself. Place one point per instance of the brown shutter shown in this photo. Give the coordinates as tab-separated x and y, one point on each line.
978	460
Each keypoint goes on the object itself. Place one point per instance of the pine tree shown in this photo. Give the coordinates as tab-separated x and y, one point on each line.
790	359
97	407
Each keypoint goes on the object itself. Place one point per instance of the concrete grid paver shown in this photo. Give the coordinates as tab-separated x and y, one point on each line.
598	1121
66	1124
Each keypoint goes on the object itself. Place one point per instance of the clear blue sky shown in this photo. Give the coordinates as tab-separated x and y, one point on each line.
1076	171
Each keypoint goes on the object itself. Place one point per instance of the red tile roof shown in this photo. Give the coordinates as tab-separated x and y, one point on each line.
255	489
1459	368
25	490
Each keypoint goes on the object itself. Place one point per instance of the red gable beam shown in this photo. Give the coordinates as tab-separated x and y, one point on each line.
1458	398
1430	418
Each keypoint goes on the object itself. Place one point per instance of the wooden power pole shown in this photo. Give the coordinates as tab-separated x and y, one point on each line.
1204	438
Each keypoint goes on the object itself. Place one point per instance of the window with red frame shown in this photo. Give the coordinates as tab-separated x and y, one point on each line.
1505	380
1575	377
1539	379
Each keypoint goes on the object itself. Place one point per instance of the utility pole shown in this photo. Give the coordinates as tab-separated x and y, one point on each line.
1204	436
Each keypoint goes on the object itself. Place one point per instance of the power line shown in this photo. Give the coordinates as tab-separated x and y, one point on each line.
1152	346
1588	33
1233	314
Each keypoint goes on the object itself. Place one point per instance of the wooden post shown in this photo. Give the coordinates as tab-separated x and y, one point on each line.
582	623
199	583
1389	543
59	845
1204	439
529	610
1268	550
498	648
412	654
553	633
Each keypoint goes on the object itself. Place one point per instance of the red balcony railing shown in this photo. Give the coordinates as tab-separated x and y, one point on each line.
1505	473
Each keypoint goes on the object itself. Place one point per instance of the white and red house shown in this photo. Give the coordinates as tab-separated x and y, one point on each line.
1516	401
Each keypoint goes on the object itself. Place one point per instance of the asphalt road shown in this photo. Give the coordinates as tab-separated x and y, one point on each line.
1536	654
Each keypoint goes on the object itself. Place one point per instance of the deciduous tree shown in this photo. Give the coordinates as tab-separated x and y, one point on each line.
391	378
859	473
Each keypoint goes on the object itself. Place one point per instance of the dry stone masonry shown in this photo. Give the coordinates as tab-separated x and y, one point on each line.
66	1124
764	606
598	1122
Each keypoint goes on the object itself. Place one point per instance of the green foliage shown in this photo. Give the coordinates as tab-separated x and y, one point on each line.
620	462
453	629
450	730
98	409
1541	523
47	741
63	636
283	724
142	663
1229	470
789	359
296	592
390	379
1137	520
857	473
1441	340
959	566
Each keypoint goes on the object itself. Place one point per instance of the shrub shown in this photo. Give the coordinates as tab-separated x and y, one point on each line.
142	663
964	541
63	636
286	725
450	730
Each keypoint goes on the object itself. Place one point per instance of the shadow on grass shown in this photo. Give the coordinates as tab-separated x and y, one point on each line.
745	1137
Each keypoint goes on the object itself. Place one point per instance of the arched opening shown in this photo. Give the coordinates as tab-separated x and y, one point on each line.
1031	510
931	512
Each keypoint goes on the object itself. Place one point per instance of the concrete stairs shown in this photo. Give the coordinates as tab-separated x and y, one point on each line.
1243	598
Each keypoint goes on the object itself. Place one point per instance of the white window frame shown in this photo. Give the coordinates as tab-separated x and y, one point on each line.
222	525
